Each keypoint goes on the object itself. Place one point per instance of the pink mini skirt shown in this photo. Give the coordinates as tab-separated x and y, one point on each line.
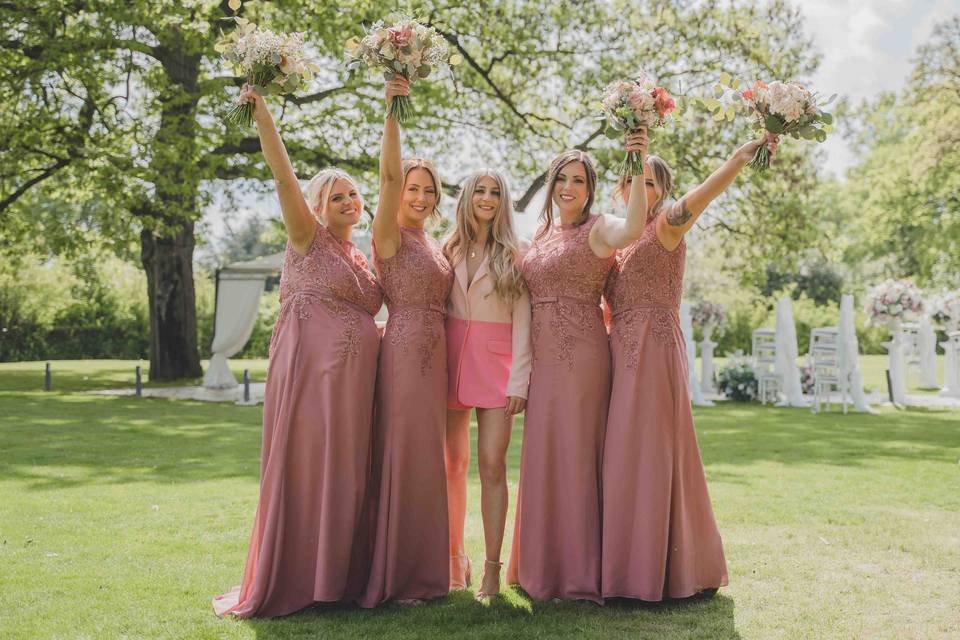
479	356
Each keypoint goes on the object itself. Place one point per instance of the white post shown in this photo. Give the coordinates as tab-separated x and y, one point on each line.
706	361
951	366
894	349
927	345
686	326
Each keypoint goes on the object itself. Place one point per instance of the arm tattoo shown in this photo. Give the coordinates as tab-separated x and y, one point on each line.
677	216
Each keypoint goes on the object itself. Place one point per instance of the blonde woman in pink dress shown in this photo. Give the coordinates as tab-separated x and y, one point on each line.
410	560
556	543
488	363
660	539
309	540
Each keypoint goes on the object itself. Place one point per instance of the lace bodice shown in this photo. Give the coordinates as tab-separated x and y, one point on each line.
331	268
418	274
647	274
562	264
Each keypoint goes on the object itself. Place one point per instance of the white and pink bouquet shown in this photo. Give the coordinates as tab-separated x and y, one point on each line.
629	105
945	309
780	108
893	300
706	314
407	48
273	63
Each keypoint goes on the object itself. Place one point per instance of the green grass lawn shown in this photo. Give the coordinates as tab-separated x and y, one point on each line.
122	517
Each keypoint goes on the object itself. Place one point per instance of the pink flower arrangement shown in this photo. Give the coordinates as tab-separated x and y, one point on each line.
632	104
893	300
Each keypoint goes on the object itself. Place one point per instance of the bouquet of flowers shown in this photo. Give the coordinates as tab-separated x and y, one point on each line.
628	105
781	108
273	63
708	314
893	300
407	48
945	309
737	379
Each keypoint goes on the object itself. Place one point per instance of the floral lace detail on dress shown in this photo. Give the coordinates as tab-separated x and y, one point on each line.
333	273
645	286
662	325
561	270
416	283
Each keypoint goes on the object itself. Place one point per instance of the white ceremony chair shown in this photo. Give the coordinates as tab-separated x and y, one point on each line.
827	369
764	352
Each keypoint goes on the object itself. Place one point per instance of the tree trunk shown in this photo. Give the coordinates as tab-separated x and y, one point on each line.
166	241
168	262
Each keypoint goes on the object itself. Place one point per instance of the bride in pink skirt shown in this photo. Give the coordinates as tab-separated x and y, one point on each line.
309	540
660	539
556	543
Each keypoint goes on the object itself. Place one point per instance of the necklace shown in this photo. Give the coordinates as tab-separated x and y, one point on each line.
473	251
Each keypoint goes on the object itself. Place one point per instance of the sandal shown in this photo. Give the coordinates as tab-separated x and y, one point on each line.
459	572
486	592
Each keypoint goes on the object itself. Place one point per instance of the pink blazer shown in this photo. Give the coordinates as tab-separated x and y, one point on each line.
489	351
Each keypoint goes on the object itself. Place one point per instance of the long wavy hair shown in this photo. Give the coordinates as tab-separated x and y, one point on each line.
419	163
556	166
319	187
662	178
501	244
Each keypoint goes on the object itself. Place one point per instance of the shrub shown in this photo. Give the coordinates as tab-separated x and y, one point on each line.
736	379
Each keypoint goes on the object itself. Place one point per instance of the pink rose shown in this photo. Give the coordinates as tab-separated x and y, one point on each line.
664	102
400	37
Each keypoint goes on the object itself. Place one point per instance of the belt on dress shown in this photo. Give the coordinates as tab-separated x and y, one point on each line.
558	299
426	306
323	295
645	305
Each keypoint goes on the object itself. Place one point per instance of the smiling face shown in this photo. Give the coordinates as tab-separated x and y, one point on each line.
419	197
343	205
486	199
570	188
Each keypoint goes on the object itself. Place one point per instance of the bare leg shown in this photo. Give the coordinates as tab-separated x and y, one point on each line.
457	459
495	429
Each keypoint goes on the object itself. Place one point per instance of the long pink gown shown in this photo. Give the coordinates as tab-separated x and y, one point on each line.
410	545
556	542
309	542
659	535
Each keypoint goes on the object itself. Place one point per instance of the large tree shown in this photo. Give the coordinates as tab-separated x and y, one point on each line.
116	107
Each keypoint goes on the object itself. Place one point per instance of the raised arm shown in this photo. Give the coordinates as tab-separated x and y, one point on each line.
386	228
612	233
299	222
680	217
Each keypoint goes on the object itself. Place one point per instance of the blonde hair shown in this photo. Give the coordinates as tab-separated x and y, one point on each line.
501	244
662	178
419	163
557	165
320	186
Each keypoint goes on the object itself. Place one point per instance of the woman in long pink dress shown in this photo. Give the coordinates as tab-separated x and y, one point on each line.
556	543
410	561
488	363
309	540
660	539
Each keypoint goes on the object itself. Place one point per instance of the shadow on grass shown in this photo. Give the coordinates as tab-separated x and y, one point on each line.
514	616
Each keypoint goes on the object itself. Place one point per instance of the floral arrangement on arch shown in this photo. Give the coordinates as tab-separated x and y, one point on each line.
737	380
893	300
944	309
709	314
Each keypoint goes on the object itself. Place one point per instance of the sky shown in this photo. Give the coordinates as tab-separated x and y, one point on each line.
867	47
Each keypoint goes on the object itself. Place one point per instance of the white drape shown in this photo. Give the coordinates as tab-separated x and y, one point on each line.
787	352
238	298
849	348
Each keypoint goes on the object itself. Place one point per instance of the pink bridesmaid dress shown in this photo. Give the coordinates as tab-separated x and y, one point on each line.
660	539
309	541
556	541
410	544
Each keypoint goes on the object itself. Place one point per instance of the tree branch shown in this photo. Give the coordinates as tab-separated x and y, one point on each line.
26	186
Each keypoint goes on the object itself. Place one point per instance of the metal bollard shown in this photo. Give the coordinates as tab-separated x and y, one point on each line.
246	385
139	383
47	379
